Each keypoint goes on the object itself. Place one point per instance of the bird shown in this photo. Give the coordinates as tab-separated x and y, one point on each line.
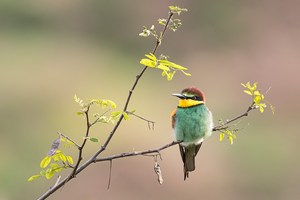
192	122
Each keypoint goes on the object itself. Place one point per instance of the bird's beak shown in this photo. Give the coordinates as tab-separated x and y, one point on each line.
181	96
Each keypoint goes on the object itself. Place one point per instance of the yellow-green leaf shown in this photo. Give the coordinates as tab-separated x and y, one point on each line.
93	139
49	173
45	162
126	117
230	139
63	157
32	178
115	114
163	67
222	135
104	103
257	100
185	73
112	104
248	92
147	62
70	160
171	64
151	56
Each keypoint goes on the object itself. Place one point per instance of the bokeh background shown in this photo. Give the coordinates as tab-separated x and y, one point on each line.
51	50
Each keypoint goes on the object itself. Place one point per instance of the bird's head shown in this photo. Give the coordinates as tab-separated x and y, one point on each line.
189	97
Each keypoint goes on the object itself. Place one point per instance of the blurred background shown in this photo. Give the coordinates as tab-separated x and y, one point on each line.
51	50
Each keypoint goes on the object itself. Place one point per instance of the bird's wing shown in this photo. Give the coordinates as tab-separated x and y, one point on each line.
198	146
173	117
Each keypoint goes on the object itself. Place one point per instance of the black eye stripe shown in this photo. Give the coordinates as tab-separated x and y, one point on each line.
194	98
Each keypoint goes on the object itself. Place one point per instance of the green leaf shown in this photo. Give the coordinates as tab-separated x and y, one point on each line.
163	67
94	101
49	173
63	157
112	104
257	100
222	135
54	165
230	139
104	103
79	113
43	173
45	162
147	62
115	114
126	117
171	64
162	21
57	156
170	75
34	177
58	169
248	92
177	10
70	160
93	139
151	56
185	73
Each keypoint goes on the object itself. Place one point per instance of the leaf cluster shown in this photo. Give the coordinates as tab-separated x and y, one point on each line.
258	99
228	133
53	164
173	24
257	102
168	68
110	115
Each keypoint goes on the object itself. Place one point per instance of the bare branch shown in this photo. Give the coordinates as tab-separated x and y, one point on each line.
224	125
137	153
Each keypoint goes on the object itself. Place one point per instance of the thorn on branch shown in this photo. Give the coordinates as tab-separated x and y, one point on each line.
110	172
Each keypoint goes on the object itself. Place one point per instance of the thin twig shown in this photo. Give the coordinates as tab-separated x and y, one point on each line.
110	171
63	135
96	120
57	181
144	119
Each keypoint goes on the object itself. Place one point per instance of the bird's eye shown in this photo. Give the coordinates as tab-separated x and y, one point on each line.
195	98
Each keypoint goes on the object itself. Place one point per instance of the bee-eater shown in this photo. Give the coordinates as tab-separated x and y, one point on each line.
192	123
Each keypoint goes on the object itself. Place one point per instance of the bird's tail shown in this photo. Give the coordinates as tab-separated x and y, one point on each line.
188	155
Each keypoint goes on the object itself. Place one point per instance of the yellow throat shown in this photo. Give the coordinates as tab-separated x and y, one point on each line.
185	103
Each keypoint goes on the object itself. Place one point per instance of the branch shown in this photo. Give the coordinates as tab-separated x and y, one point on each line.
63	135
136	153
224	125
88	126
93	159
149	122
